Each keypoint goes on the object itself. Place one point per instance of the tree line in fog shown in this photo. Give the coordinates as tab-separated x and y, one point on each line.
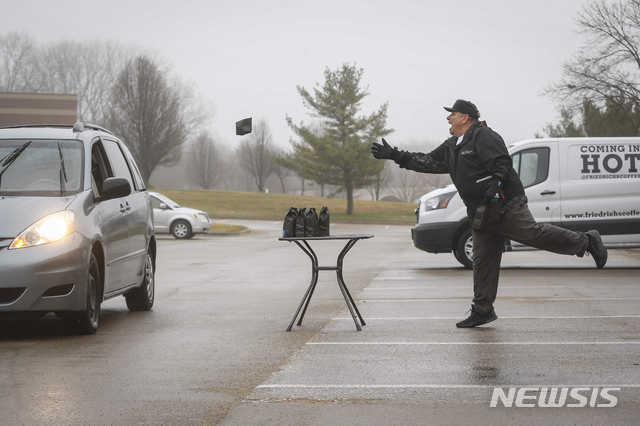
166	123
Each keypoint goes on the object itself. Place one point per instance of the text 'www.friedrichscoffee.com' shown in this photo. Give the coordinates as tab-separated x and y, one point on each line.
602	213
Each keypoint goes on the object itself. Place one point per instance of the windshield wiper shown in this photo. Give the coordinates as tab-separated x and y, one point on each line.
8	159
63	171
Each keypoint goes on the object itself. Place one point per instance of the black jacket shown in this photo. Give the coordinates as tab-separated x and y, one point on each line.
481	153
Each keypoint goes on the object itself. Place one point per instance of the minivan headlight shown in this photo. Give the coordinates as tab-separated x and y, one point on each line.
49	229
438	202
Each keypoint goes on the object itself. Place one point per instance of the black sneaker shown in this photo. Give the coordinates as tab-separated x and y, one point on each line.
597	248
477	318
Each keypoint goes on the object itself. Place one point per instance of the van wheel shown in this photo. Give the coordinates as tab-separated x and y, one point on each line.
181	229
464	249
89	319
141	298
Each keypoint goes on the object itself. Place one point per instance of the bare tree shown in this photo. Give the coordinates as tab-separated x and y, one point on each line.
204	161
148	114
87	69
228	179
380	181
278	169
408	186
197	110
17	62
607	68
255	154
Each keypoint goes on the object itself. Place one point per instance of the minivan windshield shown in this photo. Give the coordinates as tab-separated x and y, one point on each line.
49	168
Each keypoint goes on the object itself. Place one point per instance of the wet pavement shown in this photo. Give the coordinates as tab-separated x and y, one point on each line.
562	324
214	349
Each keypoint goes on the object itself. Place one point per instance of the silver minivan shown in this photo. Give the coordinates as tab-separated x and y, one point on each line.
75	224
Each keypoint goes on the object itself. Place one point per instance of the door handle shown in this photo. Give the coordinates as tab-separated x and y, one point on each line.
547	192
128	207
122	208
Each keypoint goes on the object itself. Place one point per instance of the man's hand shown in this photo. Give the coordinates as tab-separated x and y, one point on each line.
385	151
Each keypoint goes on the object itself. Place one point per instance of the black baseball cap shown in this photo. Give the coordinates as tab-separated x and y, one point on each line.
464	107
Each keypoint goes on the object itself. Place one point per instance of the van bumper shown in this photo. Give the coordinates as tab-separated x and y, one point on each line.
27	274
435	237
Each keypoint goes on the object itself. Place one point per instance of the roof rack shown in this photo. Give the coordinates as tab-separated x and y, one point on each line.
79	126
19	126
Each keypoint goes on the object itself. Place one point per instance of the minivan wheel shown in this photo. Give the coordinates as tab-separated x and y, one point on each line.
181	229
464	249
141	298
89	319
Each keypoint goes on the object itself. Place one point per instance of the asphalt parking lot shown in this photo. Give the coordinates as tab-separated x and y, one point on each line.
214	349
562	324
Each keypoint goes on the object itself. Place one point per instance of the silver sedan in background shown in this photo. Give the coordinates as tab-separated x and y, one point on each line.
181	222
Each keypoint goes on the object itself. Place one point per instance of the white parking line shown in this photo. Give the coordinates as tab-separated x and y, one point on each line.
434	386
404	277
518	317
585	343
466	287
506	298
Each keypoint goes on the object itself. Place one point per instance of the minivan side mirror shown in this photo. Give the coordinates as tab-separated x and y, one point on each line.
115	187
163	206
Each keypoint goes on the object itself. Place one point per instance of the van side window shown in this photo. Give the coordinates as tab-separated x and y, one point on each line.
137	176
118	163
100	169
532	165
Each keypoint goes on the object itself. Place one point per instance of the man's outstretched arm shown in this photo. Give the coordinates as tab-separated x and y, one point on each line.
433	162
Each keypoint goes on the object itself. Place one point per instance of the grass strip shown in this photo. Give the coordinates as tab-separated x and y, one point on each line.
257	205
221	228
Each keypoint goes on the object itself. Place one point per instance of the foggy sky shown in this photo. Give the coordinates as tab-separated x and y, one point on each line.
246	57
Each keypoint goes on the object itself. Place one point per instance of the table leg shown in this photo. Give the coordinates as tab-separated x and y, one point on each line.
348	302
343	286
314	280
306	298
314	272
315	269
341	280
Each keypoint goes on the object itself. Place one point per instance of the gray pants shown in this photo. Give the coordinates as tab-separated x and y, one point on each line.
519	225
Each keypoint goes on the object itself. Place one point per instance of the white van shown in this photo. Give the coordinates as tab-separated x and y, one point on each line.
576	183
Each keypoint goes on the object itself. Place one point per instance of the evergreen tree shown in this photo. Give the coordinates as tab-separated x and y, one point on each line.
616	118
566	127
338	152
